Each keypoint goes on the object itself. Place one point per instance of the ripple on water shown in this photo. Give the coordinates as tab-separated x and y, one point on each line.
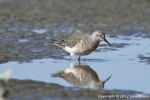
39	31
23	40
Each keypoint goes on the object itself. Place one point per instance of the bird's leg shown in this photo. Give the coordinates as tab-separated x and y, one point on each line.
70	58
79	58
79	62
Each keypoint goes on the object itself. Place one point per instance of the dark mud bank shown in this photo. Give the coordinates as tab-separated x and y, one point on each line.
33	90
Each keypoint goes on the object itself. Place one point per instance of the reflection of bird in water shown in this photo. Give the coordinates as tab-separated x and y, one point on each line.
81	75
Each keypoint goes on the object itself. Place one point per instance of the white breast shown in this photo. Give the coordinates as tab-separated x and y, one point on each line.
71	50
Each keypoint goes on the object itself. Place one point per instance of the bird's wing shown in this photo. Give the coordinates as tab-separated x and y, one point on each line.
71	40
74	39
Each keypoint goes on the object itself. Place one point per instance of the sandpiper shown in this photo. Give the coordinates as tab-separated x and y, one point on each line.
81	44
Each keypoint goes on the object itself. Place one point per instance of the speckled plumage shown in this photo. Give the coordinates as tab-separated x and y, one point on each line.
81	44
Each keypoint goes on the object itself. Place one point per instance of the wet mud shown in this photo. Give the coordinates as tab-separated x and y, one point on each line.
33	90
21	38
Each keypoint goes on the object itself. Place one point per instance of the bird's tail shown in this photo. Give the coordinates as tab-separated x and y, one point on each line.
59	43
58	74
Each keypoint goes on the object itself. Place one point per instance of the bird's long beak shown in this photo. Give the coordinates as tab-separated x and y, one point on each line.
107	42
107	79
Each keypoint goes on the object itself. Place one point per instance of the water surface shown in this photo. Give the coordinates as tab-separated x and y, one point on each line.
122	61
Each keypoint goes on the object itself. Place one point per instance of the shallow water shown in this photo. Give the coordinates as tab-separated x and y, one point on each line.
128	71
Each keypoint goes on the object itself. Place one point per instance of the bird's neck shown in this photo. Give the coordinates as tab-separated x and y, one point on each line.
95	44
94	84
